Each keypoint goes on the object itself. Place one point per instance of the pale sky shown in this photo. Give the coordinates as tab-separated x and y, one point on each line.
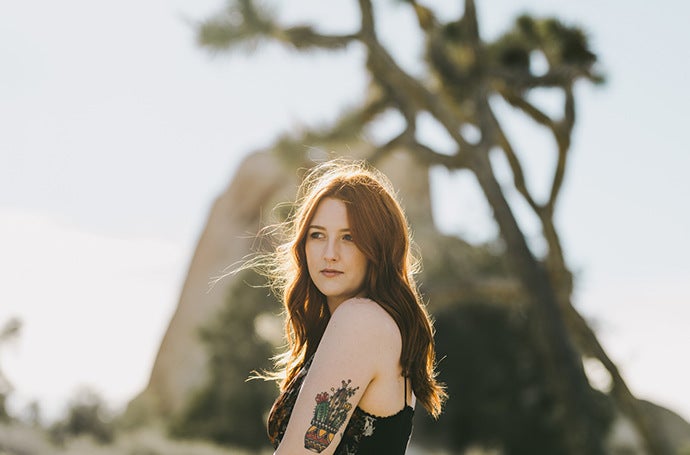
117	132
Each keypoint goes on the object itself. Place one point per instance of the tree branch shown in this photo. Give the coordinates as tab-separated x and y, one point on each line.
528	108
470	18
391	75
421	152
555	77
304	37
398	141
351	122
416	97
367	31
243	22
626	401
562	132
514	162
429	156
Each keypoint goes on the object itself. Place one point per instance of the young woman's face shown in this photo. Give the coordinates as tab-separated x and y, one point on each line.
336	266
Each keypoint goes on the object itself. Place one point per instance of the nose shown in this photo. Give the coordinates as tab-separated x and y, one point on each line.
330	251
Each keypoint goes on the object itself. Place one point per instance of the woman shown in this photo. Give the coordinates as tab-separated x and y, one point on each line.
360	343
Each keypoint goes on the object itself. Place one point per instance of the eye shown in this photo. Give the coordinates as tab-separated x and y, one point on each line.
348	237
316	235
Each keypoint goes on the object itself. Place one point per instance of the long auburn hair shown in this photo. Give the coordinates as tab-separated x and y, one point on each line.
381	232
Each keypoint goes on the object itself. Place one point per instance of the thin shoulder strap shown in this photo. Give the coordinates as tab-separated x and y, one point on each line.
405	399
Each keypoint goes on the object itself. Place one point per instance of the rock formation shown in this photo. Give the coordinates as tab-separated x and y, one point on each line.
234	219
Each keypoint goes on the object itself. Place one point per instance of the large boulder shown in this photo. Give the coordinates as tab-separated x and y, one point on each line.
235	217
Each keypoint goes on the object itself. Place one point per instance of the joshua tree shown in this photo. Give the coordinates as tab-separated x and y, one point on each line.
466	77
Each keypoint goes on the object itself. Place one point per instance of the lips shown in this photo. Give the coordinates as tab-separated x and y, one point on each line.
331	273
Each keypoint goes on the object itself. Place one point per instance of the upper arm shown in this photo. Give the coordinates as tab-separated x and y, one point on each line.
344	364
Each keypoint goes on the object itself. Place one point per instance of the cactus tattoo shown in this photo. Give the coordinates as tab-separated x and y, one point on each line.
330	413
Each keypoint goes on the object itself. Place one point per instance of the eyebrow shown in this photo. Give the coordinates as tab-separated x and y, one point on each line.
314	226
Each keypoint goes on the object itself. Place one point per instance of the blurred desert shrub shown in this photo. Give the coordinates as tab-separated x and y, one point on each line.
19	439
4	415
230	410
8	332
498	396
87	415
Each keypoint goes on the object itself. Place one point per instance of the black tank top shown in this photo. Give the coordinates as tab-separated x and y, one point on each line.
365	434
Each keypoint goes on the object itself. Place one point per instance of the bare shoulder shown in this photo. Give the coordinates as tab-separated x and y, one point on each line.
367	316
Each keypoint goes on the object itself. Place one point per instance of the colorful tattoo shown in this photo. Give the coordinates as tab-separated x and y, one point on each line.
329	415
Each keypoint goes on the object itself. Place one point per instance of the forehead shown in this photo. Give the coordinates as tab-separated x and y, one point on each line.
331	212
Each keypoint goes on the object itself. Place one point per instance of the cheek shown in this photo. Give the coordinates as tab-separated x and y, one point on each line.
310	253
363	265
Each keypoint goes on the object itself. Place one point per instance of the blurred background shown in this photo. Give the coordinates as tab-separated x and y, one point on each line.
143	144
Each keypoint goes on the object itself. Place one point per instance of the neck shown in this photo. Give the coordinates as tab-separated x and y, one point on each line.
334	303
